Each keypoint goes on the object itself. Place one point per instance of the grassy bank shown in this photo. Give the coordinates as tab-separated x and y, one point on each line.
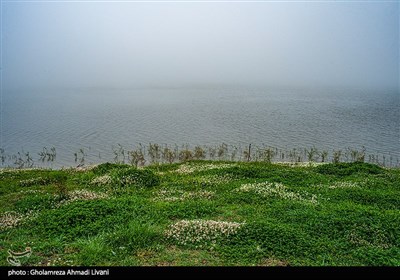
202	213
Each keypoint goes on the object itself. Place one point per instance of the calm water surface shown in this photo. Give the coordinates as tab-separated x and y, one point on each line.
97	120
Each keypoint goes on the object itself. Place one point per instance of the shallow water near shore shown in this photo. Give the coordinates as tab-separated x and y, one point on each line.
97	120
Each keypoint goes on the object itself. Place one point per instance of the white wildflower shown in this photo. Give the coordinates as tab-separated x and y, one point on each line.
10	219
276	189
301	164
379	237
343	185
179	195
84	168
82	195
201	232
102	180
33	181
31	191
187	168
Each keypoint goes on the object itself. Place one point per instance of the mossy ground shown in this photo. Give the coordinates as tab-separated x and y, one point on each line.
203	213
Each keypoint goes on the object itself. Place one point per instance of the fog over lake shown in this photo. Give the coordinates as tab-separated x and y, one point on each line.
94	75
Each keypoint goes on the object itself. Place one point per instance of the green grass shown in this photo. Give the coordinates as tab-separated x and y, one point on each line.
203	213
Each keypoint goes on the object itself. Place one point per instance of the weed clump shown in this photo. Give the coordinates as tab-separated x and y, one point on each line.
261	239
134	236
105	168
36	202
81	218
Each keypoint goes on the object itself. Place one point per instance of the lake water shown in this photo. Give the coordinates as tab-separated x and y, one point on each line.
98	119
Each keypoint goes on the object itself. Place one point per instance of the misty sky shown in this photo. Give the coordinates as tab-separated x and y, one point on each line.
178	44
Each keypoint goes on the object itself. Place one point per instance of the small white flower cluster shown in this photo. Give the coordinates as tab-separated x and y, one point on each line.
130	179
300	164
82	195
380	240
33	181
57	262
201	232
10	220
7	170
31	191
84	168
275	189
85	195
10	173
187	168
179	195
101	180
343	185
